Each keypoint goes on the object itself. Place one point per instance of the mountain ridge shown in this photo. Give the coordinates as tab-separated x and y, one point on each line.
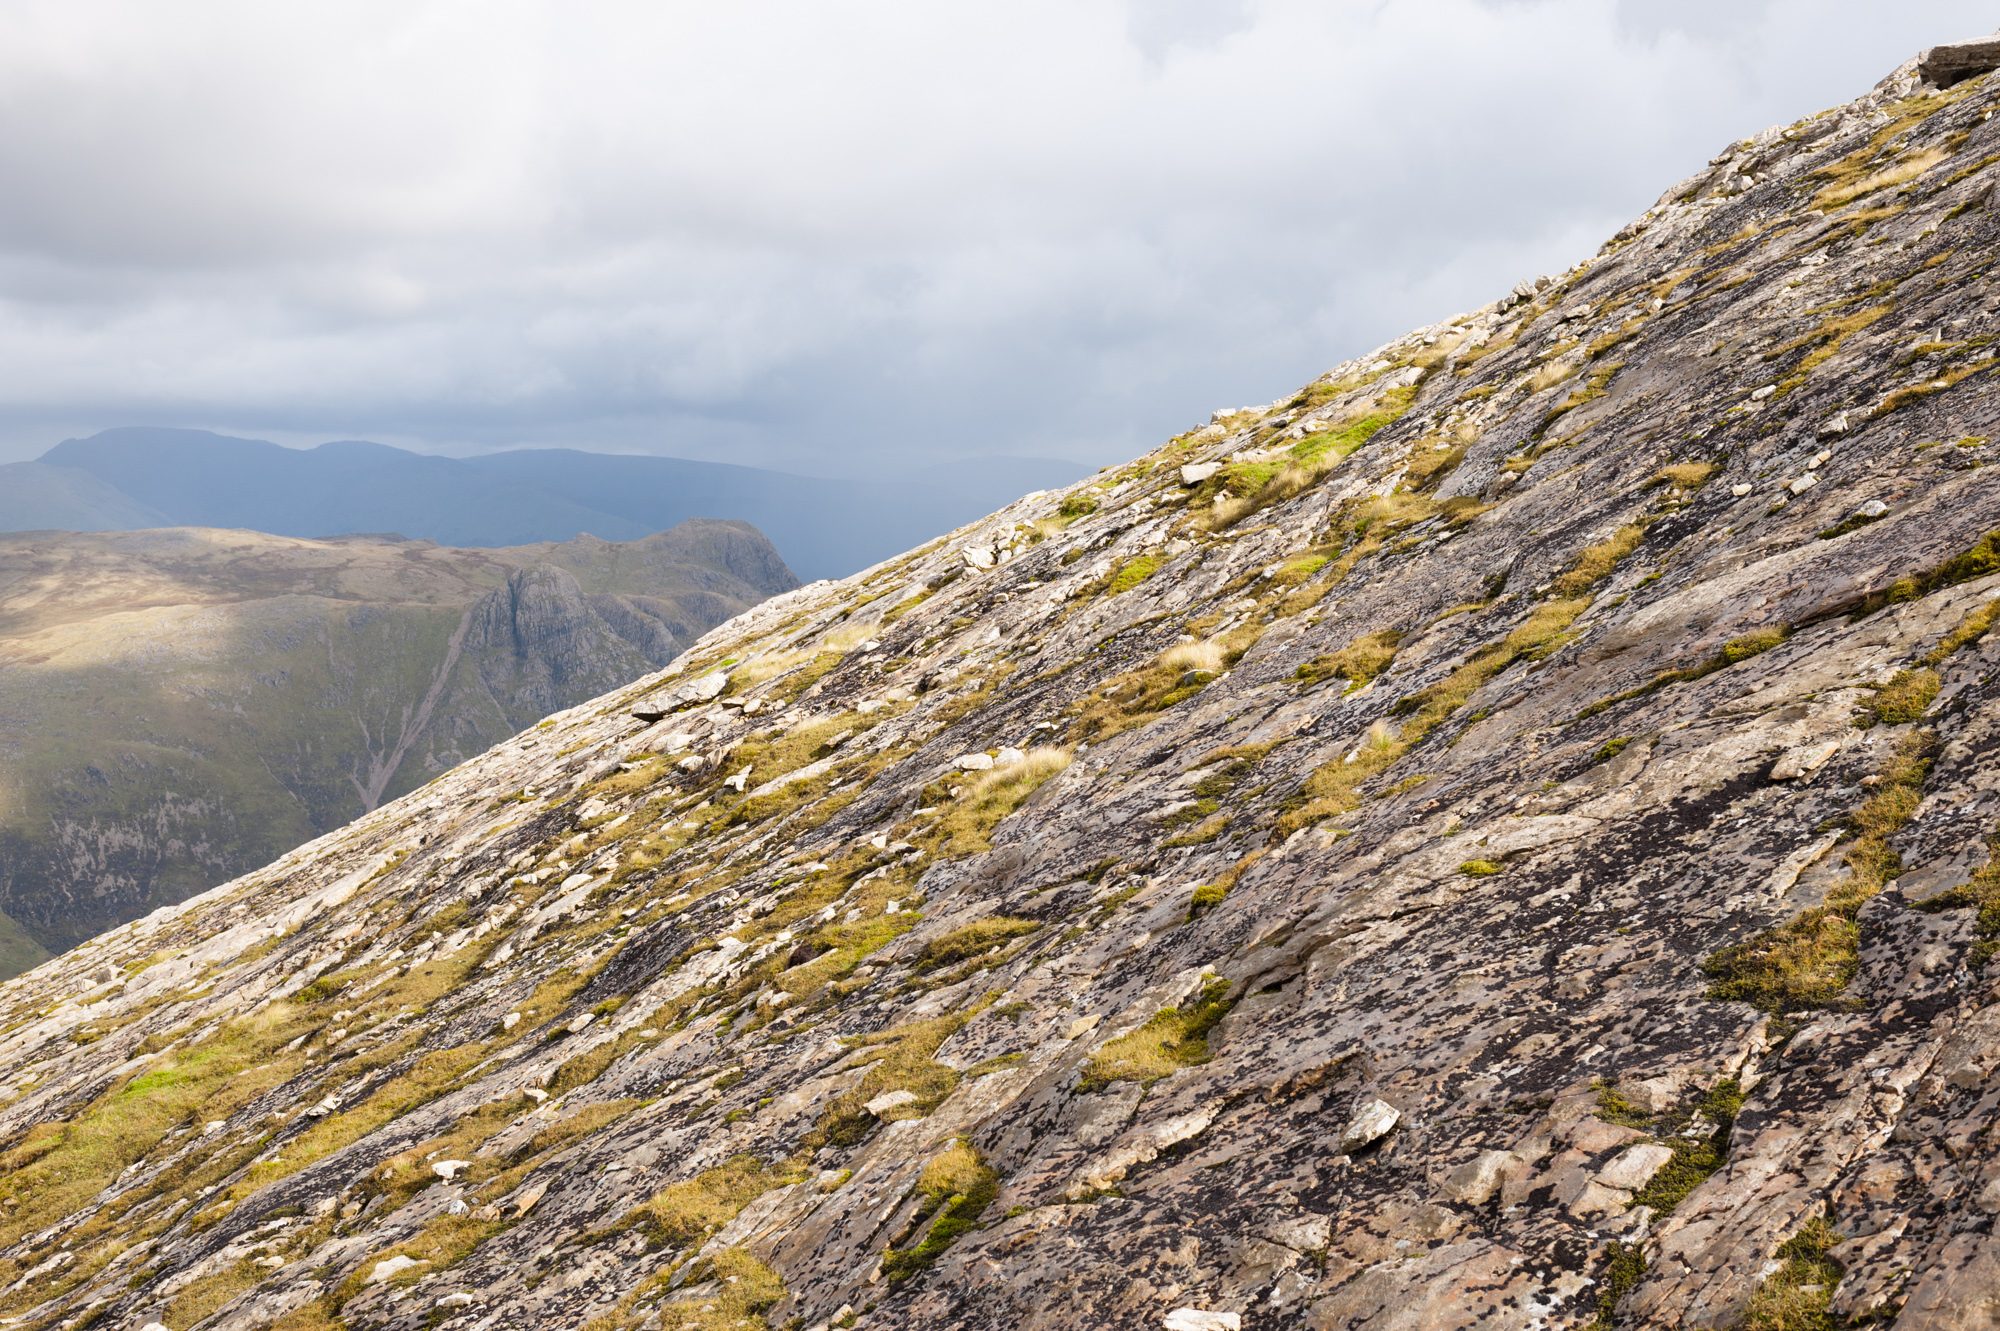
1504	837
175	704
830	526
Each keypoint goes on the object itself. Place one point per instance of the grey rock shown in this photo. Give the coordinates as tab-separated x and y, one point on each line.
1956	62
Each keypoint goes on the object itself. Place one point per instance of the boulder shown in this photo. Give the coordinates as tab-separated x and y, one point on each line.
1634	1166
889	1102
1955	62
390	1267
1803	761
1371	1121
1202	1319
1194	473
1474	1182
707	688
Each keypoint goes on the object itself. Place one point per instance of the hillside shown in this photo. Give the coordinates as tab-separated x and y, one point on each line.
826	528
1502	838
39	496
178	706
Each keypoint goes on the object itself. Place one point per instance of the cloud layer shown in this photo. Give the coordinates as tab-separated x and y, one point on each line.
826	236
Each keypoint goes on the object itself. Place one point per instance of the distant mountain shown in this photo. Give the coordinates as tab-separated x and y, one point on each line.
180	705
35	496
826	528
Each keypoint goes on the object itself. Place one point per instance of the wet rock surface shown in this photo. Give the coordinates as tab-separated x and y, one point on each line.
1496	851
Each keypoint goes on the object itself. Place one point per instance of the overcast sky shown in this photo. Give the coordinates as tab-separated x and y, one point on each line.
829	235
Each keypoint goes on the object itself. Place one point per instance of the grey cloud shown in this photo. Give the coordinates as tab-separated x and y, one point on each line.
824	236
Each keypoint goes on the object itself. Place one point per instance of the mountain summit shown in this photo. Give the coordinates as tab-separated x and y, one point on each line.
1502	838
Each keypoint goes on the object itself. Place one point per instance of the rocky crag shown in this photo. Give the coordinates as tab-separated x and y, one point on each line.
1501	838
179	706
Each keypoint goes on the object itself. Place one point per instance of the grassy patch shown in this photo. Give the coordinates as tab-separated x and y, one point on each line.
956	1187
1798	1296
1982	893
1684	477
1130	573
1976	561
1169	1041
1610	749
1700	1143
1969	629
1244	488
1335	788
1734	652
1808	961
1358	663
685	1214
1597	561
1206	898
901	1058
743	1290
966	825
1079	505
976	939
1130	700
1905	698
1482	868
1625	1266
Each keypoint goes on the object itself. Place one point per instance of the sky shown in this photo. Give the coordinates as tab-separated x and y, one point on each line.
832	236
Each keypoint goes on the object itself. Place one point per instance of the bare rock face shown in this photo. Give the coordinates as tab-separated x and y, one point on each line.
1497	851
1945	66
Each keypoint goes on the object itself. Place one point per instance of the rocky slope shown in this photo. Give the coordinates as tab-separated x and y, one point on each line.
1502	838
179	706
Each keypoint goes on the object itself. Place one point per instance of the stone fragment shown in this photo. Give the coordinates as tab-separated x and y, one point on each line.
529	1196
1202	1319
1593	1135
738	781
449	1169
1874	508
460	1299
1194	473
705	689
890	1101
1634	1166
1372	1120
390	1267
973	762
1794	764
1474	1182
1740	489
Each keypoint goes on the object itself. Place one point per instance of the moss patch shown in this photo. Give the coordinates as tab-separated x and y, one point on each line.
956	1188
1169	1041
1808	961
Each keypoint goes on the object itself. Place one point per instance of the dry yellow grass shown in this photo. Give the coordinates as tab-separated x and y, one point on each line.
990	796
1902	172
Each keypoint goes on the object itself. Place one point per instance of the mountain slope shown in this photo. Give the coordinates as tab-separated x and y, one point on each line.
828	527
36	496
177	706
1499	839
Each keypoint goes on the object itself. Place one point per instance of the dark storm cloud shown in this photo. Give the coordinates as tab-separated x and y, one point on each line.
824	235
